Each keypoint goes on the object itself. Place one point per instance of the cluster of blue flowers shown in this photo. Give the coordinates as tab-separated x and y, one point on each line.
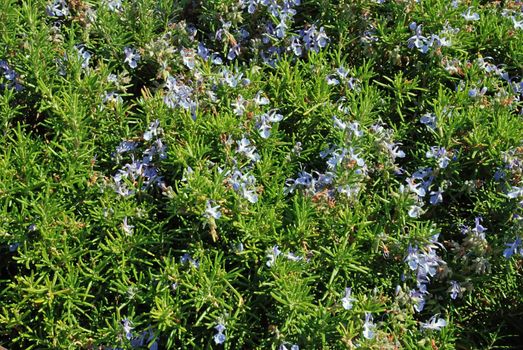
275	252
434	323
513	248
11	76
369	326
242	182
83	55
146	338
279	37
292	347
219	338
341	76
177	94
473	251
114	5
58	8
384	139
140	173
131	57
187	259
338	160
425	43
425	262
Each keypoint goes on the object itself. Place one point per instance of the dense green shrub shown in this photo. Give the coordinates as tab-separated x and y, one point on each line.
261	174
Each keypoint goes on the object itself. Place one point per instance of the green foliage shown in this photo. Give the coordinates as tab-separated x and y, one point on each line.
167	167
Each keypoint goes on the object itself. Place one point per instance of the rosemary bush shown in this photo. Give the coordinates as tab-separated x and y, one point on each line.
261	174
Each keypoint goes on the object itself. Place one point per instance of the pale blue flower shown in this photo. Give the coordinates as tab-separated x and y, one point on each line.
265	130
84	55
470	16
347	300
331	80
212	212
272	255
427	265
339	124
58	8
154	130
394	150
422	173
355	128
296	46
412	257
515	192
322	38
13	247
131	57
127	229
314	39
440	154
188	58
239	105
429	119
219	338
249	194
418	297
112	98
415	187
517	24
475	93
216	59
281	29
202	51
261	100
9	73
179	95
264	123
479	229
251	7
114	5
186	258
455	289
512	248
435	323
245	148
293	257
127	327
417	40
436	197
234	51
368	327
